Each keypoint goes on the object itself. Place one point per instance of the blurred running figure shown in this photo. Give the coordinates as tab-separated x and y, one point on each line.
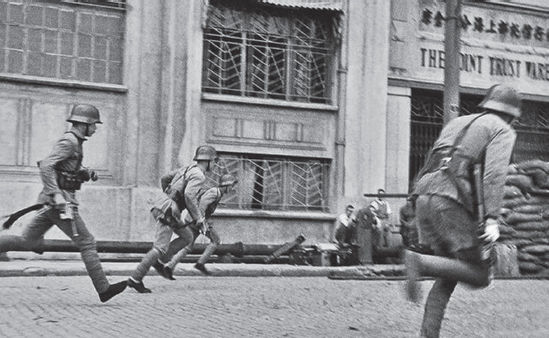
208	202
447	211
181	187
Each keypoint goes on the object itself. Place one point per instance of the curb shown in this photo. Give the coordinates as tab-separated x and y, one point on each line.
35	268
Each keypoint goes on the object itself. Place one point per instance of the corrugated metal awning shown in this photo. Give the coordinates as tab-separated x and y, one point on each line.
329	5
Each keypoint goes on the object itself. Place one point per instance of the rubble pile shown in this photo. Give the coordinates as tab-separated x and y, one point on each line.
526	215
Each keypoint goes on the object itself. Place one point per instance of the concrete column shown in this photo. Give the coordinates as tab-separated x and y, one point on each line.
143	78
191	20
174	67
132	69
366	100
398	139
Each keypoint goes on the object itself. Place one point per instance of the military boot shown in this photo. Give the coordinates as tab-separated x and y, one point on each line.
161	269
202	268
112	291
138	286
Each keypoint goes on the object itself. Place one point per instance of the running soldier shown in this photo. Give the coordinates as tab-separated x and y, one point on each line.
447	207
62	174
181	188
208	202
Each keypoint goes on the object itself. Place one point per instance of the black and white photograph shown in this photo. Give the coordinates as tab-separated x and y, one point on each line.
274	168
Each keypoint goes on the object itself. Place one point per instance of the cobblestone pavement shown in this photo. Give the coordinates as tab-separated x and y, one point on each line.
263	307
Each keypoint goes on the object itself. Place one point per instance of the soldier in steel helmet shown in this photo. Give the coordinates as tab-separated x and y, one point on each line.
62	174
208	201
181	187
470	156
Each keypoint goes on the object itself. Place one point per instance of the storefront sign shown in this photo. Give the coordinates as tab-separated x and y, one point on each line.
491	65
498	44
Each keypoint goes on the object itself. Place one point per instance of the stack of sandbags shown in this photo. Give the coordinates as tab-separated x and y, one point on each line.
526	215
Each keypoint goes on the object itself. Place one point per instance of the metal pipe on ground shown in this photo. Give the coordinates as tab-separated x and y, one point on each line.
237	249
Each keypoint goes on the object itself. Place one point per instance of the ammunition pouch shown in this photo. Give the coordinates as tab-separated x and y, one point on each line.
69	180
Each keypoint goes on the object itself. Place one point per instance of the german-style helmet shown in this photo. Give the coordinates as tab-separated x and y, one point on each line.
84	113
504	99
227	180
205	153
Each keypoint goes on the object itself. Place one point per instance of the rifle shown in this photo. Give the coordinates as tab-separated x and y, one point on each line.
478	186
16	215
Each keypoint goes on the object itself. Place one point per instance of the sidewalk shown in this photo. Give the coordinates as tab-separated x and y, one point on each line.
76	268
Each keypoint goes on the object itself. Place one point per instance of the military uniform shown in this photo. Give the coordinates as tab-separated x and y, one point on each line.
62	174
444	211
450	209
209	200
182	187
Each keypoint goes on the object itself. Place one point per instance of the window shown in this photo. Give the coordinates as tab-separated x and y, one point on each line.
426	123
73	40
271	183
275	53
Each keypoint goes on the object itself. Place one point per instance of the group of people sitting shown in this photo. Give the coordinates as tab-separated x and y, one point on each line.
347	235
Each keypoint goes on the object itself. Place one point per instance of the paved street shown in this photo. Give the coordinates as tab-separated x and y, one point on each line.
262	307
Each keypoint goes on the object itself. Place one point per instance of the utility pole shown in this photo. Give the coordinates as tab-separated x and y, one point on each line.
452	32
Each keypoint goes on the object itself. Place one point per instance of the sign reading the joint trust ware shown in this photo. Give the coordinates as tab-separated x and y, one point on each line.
498	44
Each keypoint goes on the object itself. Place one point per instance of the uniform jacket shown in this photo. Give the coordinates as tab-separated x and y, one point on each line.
188	187
66	156
207	204
490	133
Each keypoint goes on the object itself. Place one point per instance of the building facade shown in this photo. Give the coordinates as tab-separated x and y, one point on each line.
309	103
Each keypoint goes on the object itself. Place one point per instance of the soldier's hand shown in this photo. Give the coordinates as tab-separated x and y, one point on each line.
59	201
200	224
491	230
93	175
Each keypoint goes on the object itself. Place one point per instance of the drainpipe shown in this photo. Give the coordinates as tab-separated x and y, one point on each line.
451	67
341	100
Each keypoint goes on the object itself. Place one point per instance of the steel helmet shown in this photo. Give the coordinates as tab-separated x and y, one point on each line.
84	113
227	180
205	153
504	99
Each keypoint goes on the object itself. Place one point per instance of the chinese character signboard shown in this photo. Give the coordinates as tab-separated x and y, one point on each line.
498	44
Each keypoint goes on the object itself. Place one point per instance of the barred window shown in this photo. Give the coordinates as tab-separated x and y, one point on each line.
426	123
268	52
271	183
74	40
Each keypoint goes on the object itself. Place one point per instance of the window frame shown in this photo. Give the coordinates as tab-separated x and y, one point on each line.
257	173
243	65
75	9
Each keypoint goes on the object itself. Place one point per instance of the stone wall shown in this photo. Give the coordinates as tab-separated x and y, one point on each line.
526	215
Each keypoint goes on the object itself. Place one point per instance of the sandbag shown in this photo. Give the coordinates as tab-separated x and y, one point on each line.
519	243
515	218
528	234
529	267
510	192
540	226
532	165
512	203
536	249
512	170
523	182
529	209
526	257
506	230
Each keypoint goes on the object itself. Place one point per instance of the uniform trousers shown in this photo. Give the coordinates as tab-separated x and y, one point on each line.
33	236
162	239
450	230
